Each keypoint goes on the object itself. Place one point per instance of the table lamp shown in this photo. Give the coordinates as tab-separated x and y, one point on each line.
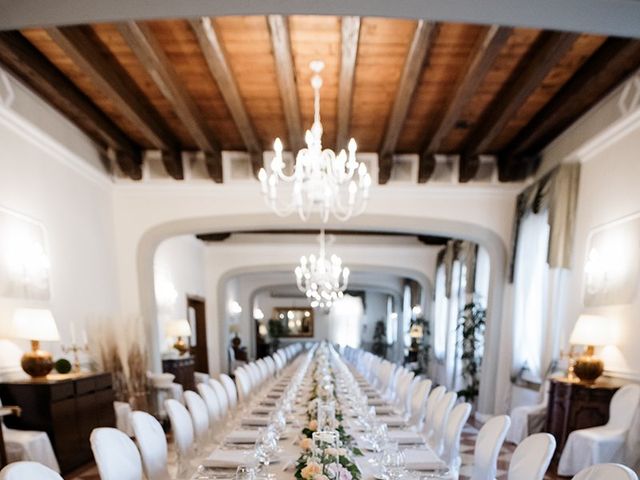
591	331
37	325
178	329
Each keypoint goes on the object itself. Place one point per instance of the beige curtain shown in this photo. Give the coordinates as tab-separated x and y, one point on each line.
557	191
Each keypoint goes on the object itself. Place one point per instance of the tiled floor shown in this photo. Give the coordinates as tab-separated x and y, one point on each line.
467	441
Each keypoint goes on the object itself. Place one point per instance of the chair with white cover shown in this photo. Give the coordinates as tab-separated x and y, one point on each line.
183	436
440	419
29	446
451	444
529	419
604	444
606	471
243	385
211	400
230	389
430	409
419	398
531	458
200	377
123	417
200	418
152	444
487	448
116	455
27	470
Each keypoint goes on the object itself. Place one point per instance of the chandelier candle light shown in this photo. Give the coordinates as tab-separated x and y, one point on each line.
322	280
322	181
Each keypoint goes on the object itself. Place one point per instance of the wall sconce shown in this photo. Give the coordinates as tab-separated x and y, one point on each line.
258	314
416	311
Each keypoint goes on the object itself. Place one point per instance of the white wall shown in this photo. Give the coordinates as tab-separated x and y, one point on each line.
60	187
178	265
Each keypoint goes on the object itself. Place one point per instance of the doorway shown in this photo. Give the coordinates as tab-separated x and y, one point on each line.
196	313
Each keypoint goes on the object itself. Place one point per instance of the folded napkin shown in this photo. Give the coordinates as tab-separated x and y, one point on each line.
391	420
375	401
422	459
255	421
221	458
242	436
261	410
268	403
384	409
404	437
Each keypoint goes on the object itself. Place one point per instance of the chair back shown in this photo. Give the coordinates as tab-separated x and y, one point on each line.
440	419
230	388
220	392
532	457
115	454
199	415
181	426
214	410
152	444
25	470
606	471
488	445
451	443
624	405
430	409
418	401
243	384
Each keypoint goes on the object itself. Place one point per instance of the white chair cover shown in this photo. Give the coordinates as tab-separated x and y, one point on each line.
28	470
116	455
220	392
430	409
230	388
182	428
606	443
457	420
418	401
152	444
606	471
532	457
488	444
211	401
440	419
123	417
200	377
529	419
29	446
200	417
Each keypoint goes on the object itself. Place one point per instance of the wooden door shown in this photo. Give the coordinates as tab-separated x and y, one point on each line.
196	313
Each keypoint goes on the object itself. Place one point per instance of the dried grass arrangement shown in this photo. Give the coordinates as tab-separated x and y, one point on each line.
118	345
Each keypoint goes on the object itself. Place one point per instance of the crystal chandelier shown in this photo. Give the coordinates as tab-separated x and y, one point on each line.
322	280
322	181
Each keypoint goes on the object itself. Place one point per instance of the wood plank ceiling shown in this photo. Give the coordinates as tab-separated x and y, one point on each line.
397	86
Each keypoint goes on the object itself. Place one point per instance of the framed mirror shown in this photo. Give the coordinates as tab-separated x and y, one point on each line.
294	321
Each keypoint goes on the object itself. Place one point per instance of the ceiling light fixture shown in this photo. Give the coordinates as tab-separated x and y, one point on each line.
322	181
322	280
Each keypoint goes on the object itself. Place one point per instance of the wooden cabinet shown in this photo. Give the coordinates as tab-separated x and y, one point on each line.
573	406
67	408
183	368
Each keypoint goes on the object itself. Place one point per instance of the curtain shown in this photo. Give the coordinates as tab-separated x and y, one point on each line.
345	319
441	306
531	293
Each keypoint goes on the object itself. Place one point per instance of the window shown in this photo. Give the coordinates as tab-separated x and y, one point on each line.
345	320
441	305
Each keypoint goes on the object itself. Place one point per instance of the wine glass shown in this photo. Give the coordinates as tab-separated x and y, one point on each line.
265	447
393	461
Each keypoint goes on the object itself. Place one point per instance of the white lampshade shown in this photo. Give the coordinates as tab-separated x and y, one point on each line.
593	330
179	328
35	324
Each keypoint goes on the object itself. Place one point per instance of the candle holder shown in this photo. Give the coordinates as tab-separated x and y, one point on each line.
75	349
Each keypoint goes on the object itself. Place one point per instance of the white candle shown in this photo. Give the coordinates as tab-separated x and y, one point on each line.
73	332
84	337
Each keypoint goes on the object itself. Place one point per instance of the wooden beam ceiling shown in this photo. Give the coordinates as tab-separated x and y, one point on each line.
216	59
26	62
281	44
615	60
348	56
546	53
84	48
418	51
151	55
482	58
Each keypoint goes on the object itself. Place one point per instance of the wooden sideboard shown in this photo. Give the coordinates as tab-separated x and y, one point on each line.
66	407
183	368
576	405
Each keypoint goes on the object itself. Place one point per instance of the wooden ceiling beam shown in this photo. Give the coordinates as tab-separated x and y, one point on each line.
150	54
214	54
285	72
349	53
418	51
426	167
85	49
546	52
27	63
481	59
612	63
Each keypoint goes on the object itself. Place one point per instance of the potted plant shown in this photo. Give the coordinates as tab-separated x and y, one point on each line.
472	322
